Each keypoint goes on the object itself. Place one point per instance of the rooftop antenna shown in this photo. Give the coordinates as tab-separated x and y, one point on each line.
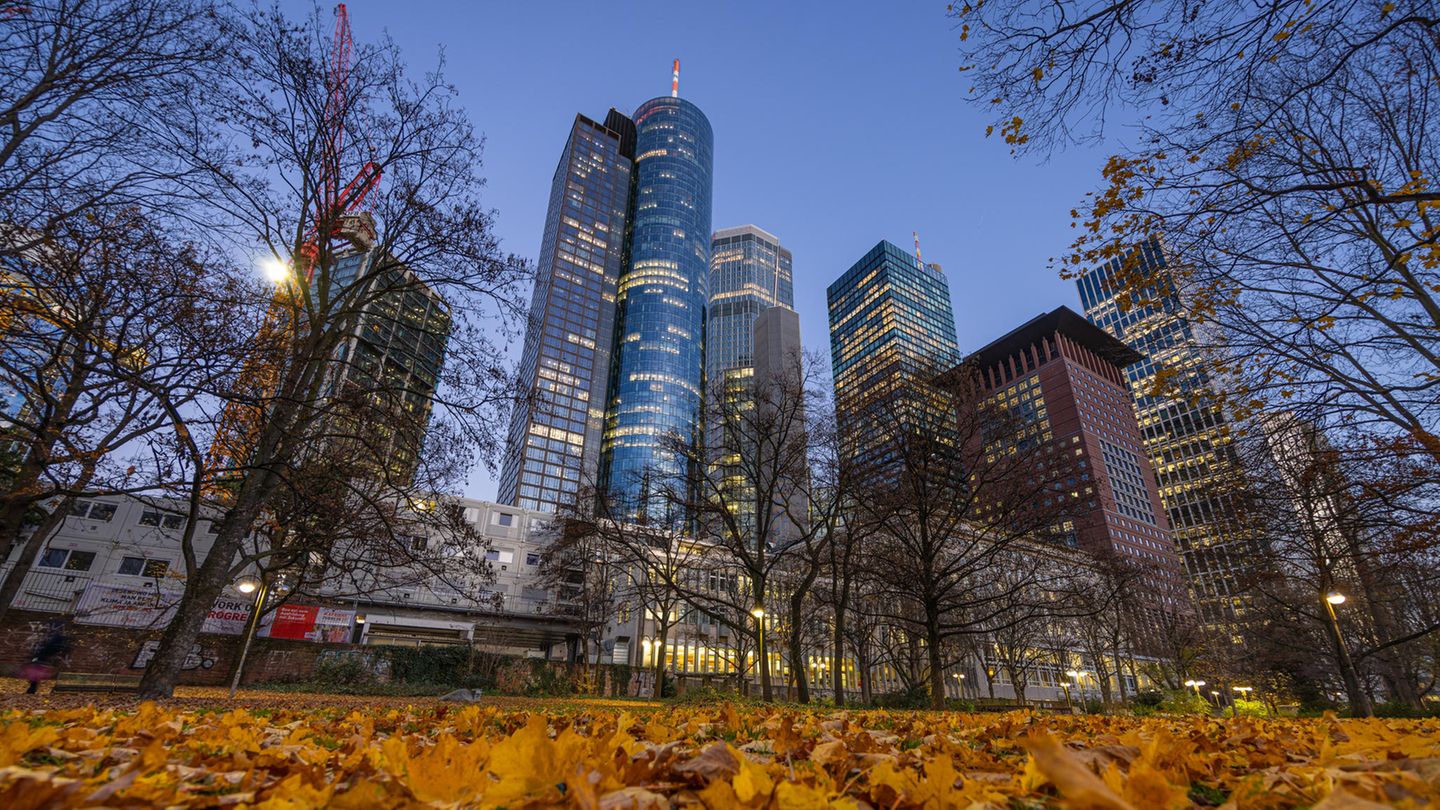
916	234
675	81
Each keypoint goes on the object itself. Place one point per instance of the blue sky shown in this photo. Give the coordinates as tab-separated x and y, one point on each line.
837	124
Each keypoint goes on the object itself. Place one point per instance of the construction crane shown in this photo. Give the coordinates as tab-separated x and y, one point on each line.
336	214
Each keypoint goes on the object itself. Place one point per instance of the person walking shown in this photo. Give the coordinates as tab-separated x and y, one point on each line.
45	659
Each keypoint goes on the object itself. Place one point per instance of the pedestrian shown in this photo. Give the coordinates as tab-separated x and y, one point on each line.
45	659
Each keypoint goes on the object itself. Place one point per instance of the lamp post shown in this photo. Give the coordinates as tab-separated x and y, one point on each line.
1193	684
960	683
261	588
1359	700
1075	675
759	613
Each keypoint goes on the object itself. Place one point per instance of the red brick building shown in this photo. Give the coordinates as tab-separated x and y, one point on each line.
1066	374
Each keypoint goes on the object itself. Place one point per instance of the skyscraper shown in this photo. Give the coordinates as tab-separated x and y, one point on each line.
554	440
749	273
1066	377
657	378
891	331
1187	440
391	360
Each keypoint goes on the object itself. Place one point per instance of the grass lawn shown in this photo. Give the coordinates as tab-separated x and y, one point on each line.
278	750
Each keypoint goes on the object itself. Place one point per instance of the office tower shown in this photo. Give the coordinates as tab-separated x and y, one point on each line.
749	273
891	331
1187	439
554	440
1067	376
388	367
657	377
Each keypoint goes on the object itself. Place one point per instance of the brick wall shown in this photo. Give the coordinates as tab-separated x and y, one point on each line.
117	650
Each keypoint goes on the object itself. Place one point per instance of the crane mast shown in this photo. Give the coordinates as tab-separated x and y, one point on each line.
336	213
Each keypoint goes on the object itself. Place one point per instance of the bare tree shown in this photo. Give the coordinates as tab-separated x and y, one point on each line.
749	494
947	505
92	94
1282	152
426	268
112	331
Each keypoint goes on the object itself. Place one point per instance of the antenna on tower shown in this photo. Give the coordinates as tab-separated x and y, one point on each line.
675	81
916	234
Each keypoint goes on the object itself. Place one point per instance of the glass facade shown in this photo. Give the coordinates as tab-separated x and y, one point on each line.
554	439
657	380
891	328
749	273
395	355
1187	439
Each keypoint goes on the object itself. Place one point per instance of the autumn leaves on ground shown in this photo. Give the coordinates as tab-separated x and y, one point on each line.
296	752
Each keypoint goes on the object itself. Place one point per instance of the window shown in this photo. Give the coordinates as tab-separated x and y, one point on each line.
151	517
504	519
80	561
53	558
418	543
93	510
143	567
500	556
532	558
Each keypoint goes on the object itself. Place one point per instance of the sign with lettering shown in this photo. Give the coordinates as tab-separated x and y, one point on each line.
308	623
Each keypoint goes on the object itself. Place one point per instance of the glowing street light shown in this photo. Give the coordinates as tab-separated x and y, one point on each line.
1335	598
261	589
276	272
1243	690
1195	685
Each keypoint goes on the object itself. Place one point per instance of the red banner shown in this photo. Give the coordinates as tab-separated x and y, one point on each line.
308	623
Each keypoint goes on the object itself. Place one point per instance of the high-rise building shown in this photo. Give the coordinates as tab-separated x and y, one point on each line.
389	365
554	440
891	331
657	374
1067	377
749	273
1187	439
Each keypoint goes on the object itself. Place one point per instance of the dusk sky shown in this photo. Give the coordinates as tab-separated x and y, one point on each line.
837	124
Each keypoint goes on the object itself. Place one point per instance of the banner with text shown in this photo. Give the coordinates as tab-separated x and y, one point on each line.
308	623
153	608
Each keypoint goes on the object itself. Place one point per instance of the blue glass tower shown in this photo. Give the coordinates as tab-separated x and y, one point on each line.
892	329
658	371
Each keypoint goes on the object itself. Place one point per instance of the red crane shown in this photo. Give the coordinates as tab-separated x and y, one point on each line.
335	205
333	216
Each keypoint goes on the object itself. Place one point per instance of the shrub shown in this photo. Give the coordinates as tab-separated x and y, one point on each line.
1246	708
1397	709
915	697
1183	701
1151	698
344	671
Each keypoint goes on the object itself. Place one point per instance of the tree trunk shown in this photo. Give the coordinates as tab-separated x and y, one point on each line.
11	586
935	660
862	665
837	658
201	590
662	633
797	663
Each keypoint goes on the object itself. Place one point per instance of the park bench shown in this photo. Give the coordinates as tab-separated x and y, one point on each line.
96	682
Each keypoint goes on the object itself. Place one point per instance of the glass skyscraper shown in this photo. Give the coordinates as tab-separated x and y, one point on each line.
554	439
749	273
892	329
1188	440
657	380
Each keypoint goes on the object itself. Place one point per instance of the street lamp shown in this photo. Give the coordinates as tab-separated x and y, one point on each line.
1347	668
759	613
261	589
1195	685
1244	691
276	272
